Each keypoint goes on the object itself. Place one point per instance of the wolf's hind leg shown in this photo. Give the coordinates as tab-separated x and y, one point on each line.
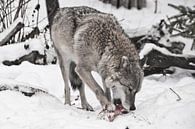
64	70
77	83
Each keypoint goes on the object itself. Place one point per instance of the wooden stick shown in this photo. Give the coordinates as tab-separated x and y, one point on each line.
7	37
179	98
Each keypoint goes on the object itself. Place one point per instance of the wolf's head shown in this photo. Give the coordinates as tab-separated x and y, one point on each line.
126	81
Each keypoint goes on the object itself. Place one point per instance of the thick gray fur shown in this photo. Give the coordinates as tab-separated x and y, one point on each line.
87	40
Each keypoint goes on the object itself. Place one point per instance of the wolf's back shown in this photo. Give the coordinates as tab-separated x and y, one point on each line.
66	21
72	15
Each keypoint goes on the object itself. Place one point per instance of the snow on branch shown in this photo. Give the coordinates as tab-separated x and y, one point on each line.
16	51
6	35
148	47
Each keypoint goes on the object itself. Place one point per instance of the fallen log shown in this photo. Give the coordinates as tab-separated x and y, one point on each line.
156	62
34	57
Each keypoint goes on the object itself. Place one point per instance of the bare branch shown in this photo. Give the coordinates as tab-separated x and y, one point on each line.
7	37
179	98
18	9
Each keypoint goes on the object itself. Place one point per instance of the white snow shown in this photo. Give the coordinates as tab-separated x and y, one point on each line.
157	105
15	51
150	46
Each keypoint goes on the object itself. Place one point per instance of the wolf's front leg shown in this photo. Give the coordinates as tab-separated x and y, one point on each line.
84	103
107	90
87	77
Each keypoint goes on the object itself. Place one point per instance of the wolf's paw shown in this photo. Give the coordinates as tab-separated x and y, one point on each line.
109	107
106	112
87	107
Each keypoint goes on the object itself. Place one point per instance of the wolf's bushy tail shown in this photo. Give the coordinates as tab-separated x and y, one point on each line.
75	80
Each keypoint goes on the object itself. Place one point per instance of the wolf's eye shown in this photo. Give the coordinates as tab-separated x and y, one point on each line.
113	87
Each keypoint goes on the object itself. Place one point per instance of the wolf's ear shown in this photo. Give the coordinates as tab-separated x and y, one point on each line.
124	61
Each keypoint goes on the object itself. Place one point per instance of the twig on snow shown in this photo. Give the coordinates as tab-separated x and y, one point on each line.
179	98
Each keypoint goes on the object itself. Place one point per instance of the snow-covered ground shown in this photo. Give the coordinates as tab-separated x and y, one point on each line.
157	105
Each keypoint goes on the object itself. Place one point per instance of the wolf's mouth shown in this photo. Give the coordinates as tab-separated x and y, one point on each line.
119	110
119	107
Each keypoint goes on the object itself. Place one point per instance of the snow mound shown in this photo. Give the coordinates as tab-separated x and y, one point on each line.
26	89
15	51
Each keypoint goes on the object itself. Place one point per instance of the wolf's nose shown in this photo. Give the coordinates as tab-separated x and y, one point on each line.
132	108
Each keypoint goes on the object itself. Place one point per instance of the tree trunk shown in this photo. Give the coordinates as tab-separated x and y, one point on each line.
126	3
106	1
115	3
134	3
156	6
18	9
52	6
139	4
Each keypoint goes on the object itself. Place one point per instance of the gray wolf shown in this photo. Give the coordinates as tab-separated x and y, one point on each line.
87	40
